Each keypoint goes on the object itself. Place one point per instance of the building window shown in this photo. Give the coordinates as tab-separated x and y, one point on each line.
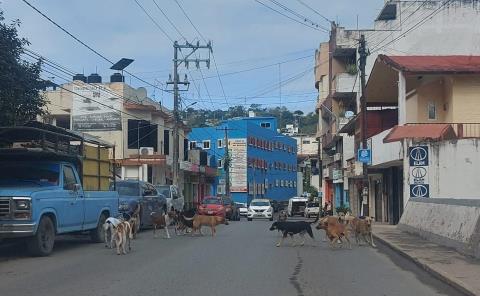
219	164
277	183
193	145
432	111
265	124
306	142
221	189
166	142
220	143
206	144
142	133
295	184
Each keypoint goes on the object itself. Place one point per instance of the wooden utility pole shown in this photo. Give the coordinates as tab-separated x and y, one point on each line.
363	52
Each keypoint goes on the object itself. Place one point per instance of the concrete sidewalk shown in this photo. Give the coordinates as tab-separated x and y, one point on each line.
448	265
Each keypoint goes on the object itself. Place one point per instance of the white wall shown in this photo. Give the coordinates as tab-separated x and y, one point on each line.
383	153
454	170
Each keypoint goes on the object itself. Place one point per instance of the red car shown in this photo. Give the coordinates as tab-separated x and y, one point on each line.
212	206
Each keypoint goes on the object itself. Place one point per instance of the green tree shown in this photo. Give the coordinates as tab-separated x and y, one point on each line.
20	83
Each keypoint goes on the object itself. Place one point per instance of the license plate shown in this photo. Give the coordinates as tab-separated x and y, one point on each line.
210	212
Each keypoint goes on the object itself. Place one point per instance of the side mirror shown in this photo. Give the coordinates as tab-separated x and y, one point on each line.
76	187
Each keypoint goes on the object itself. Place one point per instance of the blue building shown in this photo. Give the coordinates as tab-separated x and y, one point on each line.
263	162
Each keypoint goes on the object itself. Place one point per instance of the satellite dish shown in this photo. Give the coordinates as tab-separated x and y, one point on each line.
349	114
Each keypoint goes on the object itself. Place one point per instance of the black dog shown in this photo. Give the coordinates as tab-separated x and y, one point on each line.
184	220
293	227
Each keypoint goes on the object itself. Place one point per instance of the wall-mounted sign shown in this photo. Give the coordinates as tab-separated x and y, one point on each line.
418	177
238	165
95	108
364	155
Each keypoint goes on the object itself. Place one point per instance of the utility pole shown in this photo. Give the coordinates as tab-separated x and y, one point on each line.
176	96
362	50
226	161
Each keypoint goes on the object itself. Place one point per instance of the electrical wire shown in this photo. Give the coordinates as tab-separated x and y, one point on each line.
86	45
314	10
300	16
289	17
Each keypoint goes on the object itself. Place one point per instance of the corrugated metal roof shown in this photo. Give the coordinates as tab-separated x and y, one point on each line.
434	64
433	132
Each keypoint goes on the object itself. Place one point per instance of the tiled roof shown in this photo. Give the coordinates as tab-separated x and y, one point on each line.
434	64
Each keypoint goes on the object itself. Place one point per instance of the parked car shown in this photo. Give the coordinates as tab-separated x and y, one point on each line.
242	209
312	209
231	210
173	196
296	206
260	209
212	206
42	194
133	192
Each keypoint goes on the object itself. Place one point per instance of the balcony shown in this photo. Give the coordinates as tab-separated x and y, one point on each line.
344	84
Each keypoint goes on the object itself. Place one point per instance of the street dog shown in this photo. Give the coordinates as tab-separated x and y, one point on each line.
123	236
291	228
362	228
204	220
282	216
335	230
134	221
184	221
160	220
109	231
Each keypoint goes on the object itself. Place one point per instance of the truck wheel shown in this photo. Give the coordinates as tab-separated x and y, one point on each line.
41	244
97	235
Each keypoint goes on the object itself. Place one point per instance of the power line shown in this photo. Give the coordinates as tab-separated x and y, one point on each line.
168	19
190	21
289	17
304	18
315	11
86	45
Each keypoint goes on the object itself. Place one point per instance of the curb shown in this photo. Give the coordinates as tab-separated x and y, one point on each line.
439	275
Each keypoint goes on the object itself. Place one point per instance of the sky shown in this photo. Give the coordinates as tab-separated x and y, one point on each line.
245	35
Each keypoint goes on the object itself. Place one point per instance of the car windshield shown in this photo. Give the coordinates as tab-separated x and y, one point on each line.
313	204
239	205
212	201
260	203
128	188
164	190
29	174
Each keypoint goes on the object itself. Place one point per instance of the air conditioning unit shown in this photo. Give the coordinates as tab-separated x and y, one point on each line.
337	157
146	151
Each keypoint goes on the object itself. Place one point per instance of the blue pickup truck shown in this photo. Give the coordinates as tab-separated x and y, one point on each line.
41	190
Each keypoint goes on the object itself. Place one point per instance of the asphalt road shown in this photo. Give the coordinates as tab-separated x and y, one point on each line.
241	260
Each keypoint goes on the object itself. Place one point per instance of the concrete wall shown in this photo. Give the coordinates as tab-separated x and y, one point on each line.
385	153
465	105
454	170
450	222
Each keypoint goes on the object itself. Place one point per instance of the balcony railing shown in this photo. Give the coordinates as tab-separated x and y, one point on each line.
462	130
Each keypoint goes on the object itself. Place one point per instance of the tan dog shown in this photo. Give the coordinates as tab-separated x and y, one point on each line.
123	235
203	220
335	230
134	225
362	227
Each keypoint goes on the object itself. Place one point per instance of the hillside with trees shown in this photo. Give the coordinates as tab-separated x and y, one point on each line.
202	117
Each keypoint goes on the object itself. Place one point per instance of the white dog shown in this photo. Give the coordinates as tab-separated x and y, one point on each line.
109	229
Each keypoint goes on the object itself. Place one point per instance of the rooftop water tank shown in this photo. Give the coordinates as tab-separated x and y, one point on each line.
94	78
80	77
117	77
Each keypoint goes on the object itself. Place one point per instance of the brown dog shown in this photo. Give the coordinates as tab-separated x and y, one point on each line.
335	230
362	227
123	235
203	220
160	220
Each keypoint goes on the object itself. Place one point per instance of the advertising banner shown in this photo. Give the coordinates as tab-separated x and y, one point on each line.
238	165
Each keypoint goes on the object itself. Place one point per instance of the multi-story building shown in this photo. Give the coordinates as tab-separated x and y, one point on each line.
140	128
263	162
307	160
402	28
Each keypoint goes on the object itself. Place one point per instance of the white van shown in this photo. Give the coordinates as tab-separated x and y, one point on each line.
296	206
